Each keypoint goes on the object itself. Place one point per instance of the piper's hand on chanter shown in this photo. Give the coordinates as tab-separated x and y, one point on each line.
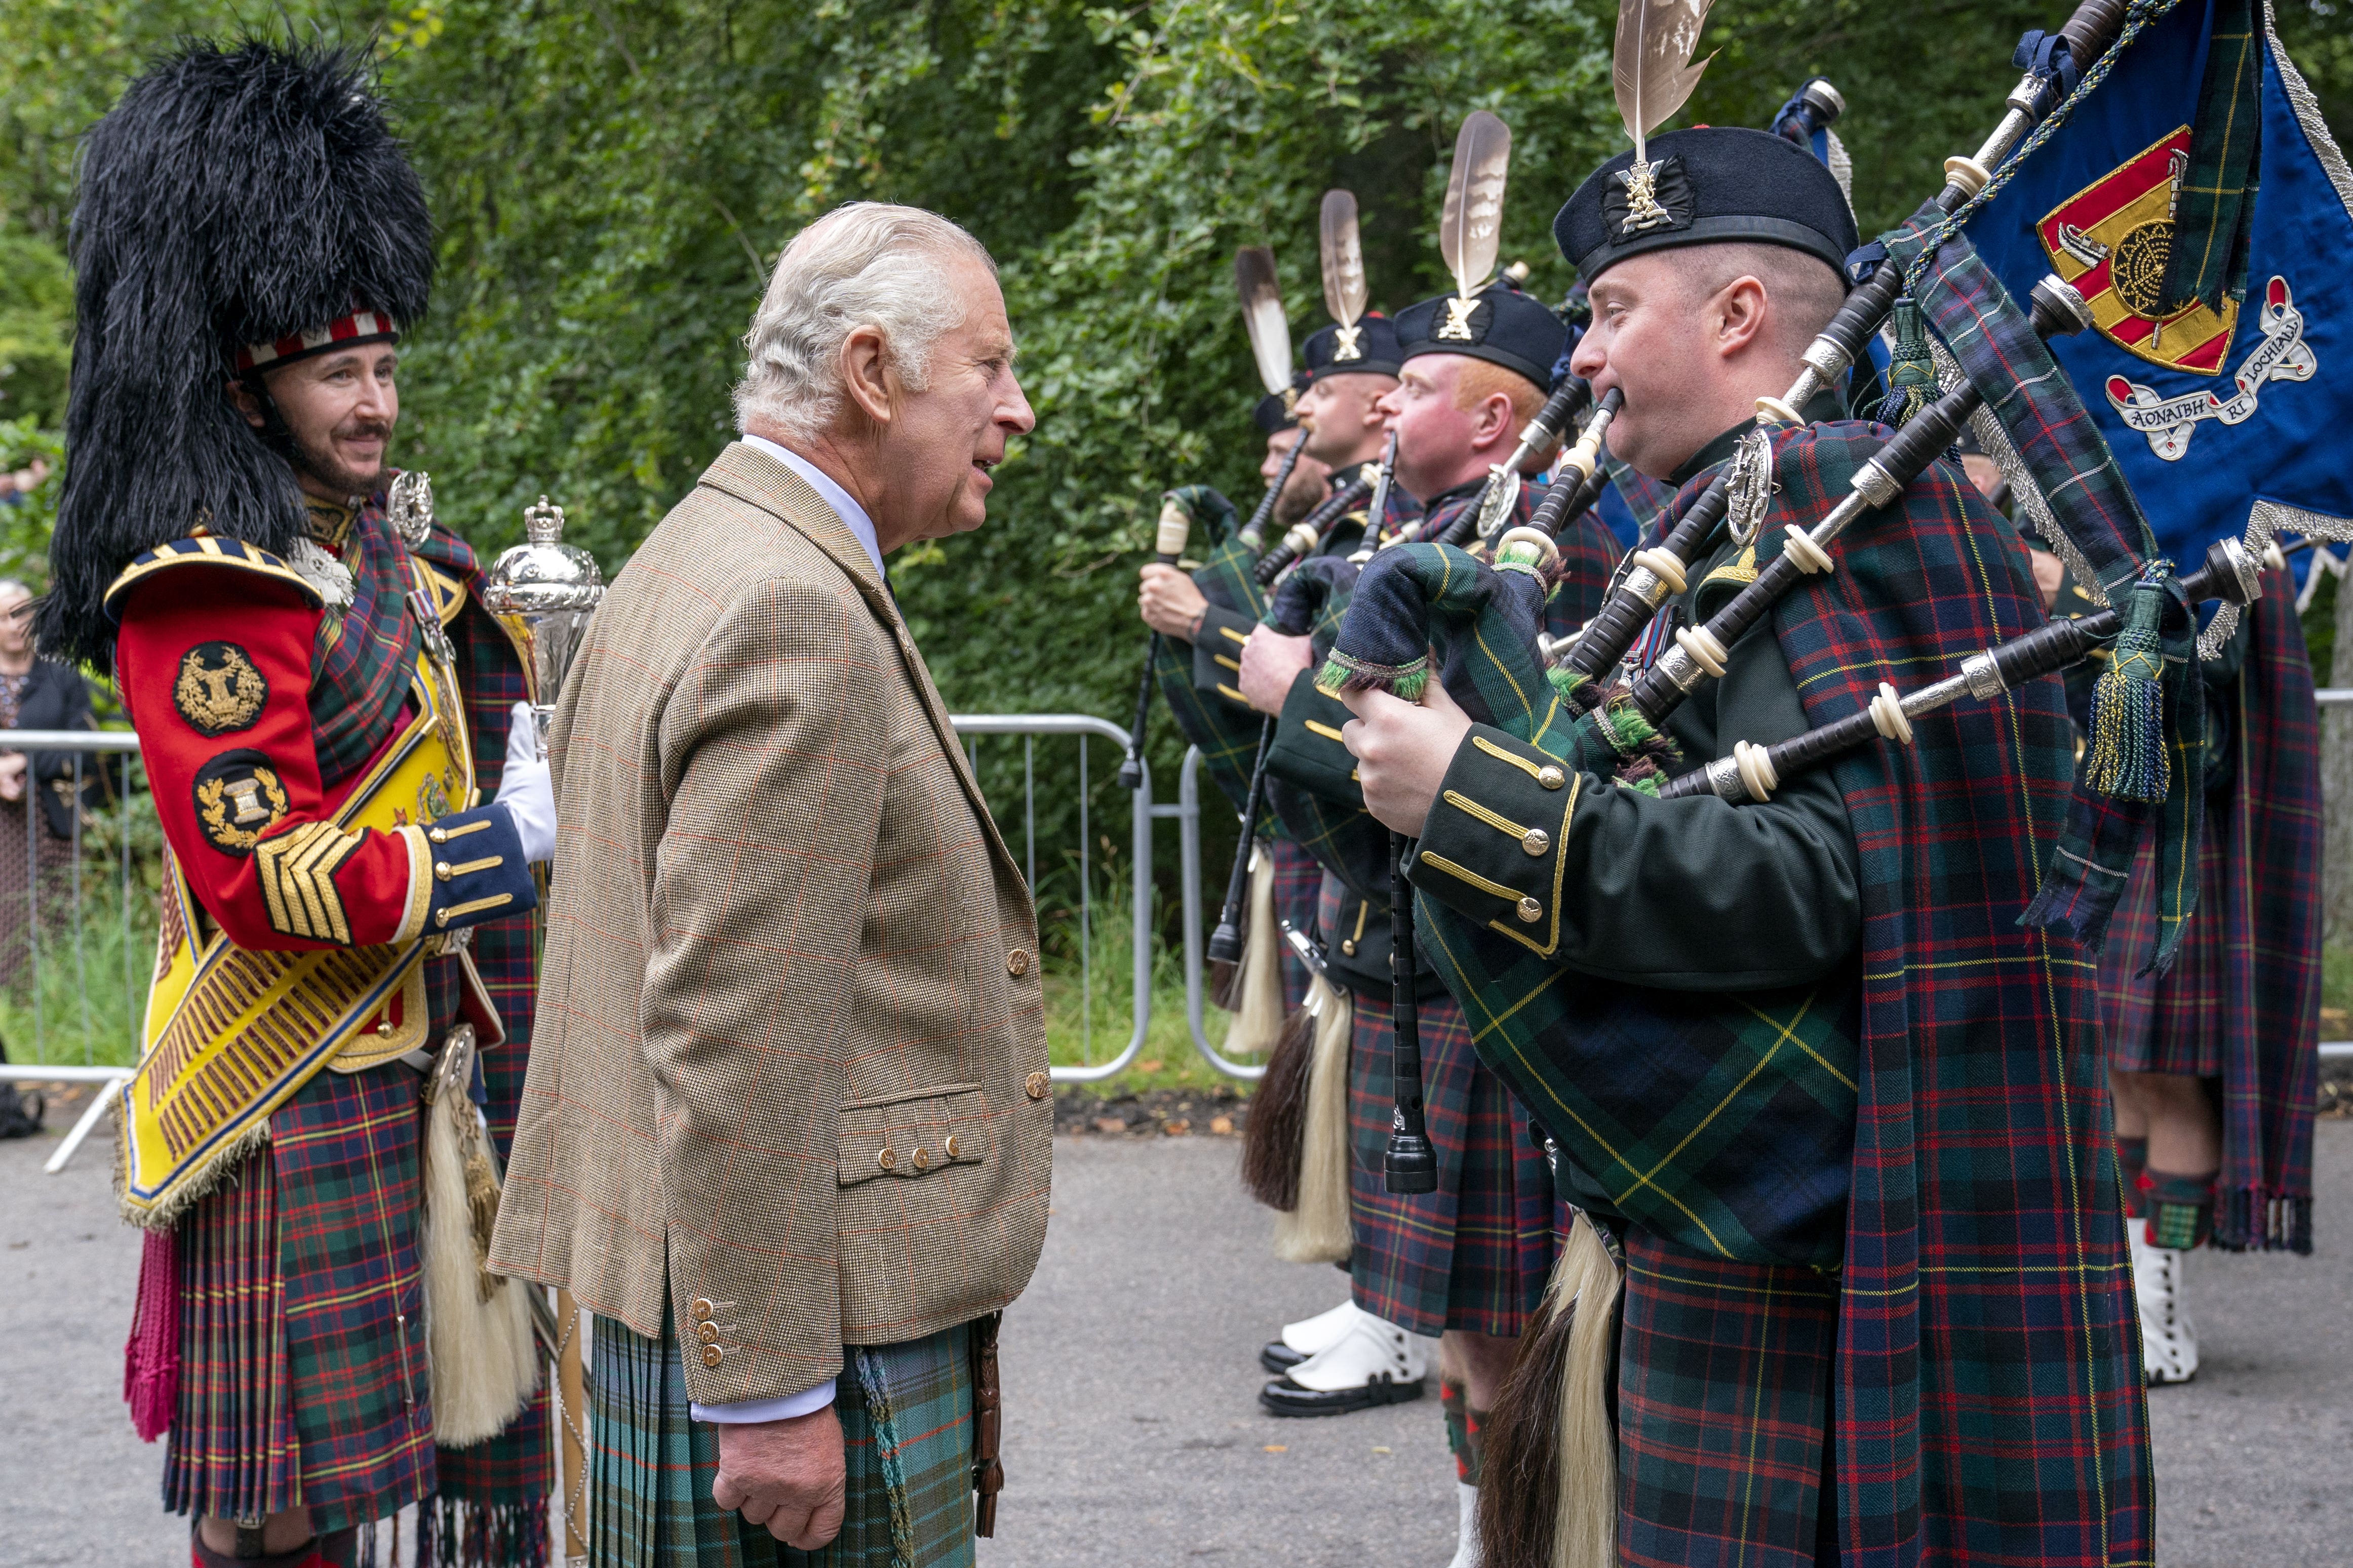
1270	662
1170	601
1402	751
784	1476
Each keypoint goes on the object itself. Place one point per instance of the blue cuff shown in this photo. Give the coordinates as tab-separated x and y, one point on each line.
477	869
746	1411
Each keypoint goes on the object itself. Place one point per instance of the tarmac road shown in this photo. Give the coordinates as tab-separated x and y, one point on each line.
1132	1436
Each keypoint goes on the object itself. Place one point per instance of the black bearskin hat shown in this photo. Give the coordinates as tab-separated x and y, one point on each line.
234	196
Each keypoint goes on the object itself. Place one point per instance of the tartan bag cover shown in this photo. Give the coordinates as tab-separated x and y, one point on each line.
1987	1398
2247	988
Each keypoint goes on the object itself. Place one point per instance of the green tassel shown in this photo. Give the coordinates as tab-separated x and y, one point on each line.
2127	759
1911	369
1342	674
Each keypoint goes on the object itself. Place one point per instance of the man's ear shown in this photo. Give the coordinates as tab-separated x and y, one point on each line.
1494	418
242	399
1740	306
865	372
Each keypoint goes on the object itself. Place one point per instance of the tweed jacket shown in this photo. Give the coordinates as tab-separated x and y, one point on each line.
792	1049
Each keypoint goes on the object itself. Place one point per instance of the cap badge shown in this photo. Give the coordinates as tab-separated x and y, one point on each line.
1648	196
1346	344
1456	328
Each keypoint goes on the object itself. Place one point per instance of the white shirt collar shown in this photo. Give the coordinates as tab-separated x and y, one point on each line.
853	516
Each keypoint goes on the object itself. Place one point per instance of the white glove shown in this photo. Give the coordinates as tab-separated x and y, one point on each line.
526	790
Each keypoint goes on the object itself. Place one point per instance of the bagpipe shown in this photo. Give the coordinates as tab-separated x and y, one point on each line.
1312	532
1270	340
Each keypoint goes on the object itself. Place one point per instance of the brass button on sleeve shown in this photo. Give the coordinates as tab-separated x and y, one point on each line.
701	1310
441	870
711	1356
1035	1085
1348	945
1551	777
1536	841
949	1146
922	1159
707	1332
888	1160
1530	912
1016	963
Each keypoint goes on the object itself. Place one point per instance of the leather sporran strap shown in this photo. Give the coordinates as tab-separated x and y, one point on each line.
987	1425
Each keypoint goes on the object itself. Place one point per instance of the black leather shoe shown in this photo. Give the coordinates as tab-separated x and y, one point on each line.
1284	1398
1279	1358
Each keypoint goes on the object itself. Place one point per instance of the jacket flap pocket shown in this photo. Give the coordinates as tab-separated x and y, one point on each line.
911	1135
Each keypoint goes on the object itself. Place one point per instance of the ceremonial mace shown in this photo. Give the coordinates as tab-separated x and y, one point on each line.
544	592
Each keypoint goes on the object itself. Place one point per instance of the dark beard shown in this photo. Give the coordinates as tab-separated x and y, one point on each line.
1297	499
304	459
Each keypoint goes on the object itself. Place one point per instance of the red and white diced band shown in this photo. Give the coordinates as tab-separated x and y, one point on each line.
357	327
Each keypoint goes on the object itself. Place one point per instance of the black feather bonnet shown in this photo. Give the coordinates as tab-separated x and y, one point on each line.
234	196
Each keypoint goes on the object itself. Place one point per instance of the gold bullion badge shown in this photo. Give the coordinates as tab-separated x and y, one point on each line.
239	797
220	689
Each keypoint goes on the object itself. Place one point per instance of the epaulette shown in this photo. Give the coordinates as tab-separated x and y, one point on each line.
204	550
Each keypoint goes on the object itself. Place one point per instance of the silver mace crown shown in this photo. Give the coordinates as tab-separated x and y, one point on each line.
544	592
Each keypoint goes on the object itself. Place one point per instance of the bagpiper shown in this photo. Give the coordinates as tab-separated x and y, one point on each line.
1830	1114
341	1002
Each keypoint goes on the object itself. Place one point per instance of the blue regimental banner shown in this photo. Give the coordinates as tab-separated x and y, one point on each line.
2223	380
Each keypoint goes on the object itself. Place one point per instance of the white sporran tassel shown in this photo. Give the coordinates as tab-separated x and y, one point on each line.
478	1325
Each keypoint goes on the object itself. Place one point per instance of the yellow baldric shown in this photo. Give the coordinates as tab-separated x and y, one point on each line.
232	1032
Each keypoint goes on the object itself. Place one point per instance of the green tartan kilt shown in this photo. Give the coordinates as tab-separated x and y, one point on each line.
906	1431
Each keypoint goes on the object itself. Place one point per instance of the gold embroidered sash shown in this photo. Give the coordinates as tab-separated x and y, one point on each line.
232	1032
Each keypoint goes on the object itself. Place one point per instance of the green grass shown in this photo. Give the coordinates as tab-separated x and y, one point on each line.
83	1007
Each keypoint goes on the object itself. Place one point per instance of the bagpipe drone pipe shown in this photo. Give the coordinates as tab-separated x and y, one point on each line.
1658	572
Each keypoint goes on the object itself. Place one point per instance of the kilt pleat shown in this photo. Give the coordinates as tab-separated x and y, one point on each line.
296	1377
906	1427
1475	1254
232	1451
1724	1385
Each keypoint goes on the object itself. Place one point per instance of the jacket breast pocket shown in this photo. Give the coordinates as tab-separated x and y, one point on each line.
907	1137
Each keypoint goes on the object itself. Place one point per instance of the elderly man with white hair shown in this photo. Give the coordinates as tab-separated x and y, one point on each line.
787	1130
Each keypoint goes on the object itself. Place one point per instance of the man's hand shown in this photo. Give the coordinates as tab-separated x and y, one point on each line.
2049	574
1270	662
1170	601
12	775
1402	751
786	1475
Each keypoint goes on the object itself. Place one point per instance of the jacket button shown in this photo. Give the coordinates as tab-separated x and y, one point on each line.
886	1159
711	1356
707	1332
1035	1085
949	1146
1348	945
1530	910
441	870
922	1159
1016	963
1536	841
1551	777
701	1310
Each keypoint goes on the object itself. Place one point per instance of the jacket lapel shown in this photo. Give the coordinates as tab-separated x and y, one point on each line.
750	475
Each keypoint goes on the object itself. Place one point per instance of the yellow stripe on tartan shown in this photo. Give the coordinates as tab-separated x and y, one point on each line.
1590	1132
1819	1060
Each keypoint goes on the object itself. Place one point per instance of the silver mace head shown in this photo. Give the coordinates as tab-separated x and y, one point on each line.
544	592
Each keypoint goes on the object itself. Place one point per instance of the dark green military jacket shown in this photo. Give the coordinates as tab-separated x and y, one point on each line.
1679	895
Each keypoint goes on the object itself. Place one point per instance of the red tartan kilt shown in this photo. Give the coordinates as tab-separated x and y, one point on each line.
2180	1023
1474	1254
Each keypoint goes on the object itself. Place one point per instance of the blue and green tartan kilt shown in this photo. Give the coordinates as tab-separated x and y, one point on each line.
907	1436
298	1386
1298	881
1723	1405
1474	1254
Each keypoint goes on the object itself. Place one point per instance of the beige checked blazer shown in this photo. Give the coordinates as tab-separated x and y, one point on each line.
790	1045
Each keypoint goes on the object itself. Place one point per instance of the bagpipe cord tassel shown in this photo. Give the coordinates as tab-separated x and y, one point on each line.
2127	759
1911	368
150	1361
